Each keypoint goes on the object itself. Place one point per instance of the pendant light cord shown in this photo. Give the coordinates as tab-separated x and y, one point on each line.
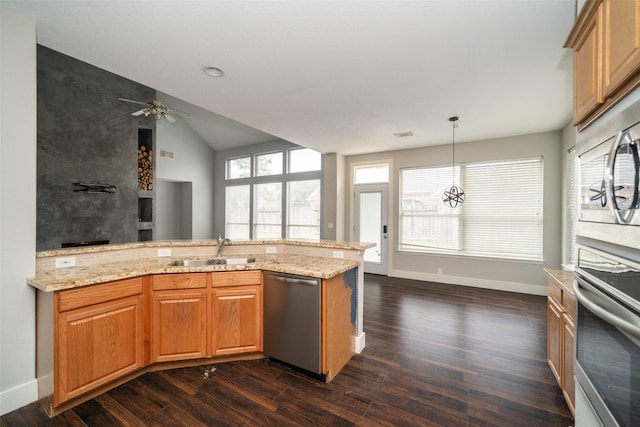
453	148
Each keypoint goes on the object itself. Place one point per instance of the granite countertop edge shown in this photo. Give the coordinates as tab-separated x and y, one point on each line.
75	277
359	246
564	278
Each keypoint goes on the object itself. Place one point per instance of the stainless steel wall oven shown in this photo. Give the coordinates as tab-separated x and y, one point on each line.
607	289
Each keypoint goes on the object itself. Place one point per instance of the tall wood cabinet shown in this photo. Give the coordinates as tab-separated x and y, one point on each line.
606	44
560	339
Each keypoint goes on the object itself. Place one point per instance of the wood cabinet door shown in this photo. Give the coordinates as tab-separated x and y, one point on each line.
97	344
568	382
554	338
586	68
179	325
236	319
621	43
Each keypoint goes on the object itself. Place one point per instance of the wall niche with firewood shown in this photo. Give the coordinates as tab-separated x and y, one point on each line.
87	135
146	199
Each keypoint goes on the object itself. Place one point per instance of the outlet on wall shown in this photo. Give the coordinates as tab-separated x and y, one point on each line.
68	261
271	249
439	270
164	252
338	254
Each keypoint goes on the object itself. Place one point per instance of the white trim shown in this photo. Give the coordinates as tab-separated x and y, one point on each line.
359	343
524	288
18	396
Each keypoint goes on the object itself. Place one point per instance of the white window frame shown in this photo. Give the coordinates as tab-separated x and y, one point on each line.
284	179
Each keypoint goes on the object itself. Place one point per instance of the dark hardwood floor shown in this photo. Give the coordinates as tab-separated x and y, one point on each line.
436	355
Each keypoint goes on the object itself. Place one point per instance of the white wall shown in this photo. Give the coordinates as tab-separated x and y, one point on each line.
193	162
18	107
519	276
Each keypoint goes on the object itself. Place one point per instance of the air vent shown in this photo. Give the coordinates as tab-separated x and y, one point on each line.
403	134
166	154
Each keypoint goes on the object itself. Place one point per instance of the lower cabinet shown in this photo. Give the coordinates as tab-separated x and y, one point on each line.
560	339
98	336
236	318
179	317
236	312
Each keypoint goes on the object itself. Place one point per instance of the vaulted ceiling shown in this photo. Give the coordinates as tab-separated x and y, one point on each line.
336	76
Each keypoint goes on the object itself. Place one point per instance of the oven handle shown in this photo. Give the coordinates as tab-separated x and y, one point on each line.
623	216
609	312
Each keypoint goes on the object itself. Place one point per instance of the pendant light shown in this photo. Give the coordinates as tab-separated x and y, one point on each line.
454	196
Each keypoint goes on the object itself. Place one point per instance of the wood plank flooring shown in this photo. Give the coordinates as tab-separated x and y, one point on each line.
436	355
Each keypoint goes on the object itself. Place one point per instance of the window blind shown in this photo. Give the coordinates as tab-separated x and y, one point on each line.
502	215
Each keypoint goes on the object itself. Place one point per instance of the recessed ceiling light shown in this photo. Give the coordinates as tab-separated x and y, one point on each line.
403	134
213	71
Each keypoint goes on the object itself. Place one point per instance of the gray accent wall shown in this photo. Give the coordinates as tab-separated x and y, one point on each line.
85	134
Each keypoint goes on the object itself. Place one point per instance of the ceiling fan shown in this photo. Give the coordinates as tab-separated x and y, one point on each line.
154	108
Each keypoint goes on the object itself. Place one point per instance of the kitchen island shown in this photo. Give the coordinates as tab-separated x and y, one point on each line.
107	314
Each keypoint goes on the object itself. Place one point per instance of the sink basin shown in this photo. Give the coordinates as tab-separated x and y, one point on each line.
211	261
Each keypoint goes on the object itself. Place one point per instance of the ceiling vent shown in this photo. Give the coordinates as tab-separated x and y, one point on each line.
403	134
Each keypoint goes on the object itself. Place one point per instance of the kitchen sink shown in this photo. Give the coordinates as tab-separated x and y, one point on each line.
211	261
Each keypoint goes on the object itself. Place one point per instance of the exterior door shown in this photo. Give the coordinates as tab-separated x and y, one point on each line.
371	225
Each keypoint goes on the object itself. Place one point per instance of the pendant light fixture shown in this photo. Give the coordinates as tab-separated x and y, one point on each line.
454	196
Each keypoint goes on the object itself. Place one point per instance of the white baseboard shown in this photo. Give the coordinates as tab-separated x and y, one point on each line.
360	343
523	288
19	396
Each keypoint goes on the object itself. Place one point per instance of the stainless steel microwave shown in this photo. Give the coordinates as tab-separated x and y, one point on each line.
608	180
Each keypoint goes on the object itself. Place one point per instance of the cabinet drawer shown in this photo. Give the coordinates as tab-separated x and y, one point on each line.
236	278
180	281
89	295
555	291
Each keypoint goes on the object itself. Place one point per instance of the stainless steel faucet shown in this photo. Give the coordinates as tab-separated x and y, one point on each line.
221	243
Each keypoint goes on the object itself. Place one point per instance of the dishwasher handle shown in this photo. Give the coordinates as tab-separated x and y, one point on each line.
292	280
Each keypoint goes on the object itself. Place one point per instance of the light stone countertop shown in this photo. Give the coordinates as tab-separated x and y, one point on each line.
563	278
332	244
73	277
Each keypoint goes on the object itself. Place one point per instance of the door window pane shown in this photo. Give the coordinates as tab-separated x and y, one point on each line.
239	168
237	210
268	211
371	224
304	160
269	164
303	209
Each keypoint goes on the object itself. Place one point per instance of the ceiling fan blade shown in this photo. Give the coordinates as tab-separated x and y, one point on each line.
169	118
173	110
132	101
139	113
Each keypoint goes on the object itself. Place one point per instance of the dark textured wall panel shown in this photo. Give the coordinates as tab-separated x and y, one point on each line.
86	134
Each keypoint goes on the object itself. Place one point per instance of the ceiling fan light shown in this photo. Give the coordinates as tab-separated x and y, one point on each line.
213	71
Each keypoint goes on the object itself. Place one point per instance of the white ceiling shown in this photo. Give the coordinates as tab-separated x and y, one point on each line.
336	76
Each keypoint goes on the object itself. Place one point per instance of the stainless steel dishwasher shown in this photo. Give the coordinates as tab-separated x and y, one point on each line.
292	320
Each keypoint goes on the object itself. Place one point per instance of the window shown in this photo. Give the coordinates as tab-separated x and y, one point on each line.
271	203
269	164
239	168
572	207
304	160
268	211
237	211
501	215
303	209
371	174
